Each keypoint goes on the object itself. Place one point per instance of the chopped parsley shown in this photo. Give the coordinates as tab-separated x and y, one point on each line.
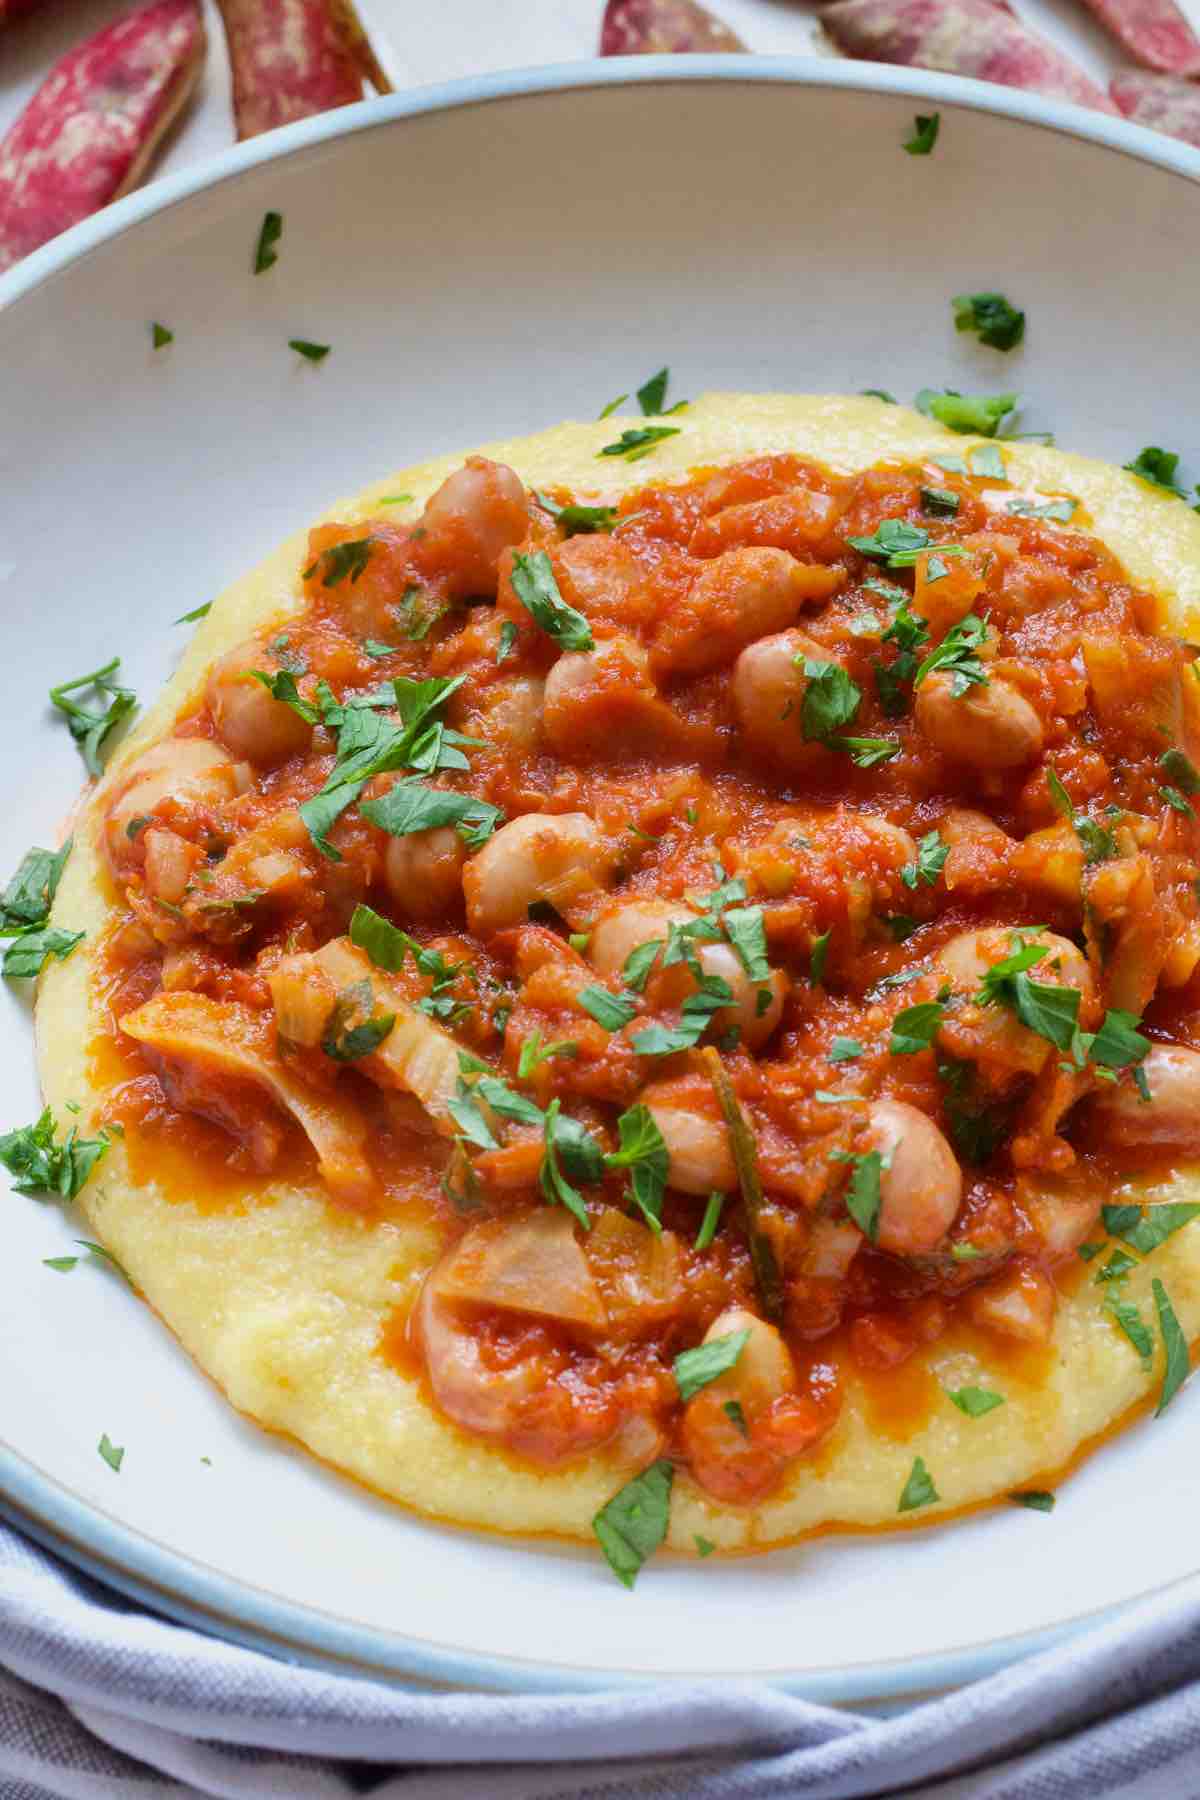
940	503
863	1199
349	558
197	612
987	463
369	745
161	336
1062	510
894	542
711	996
347	1042
29	953
915	1028
980	414
817	958
634	1522
41	1165
375	647
311	352
1182	771
1145	1228
1158	468
831	698
534	1052
113	1454
1096	840
931	859
1177	1364
638	441
25	912
695	1369
575	519
89	726
867	753
555	1186
956	655
610	1010
711	1219
410	806
269	235
643	1151
918	1489
704	1546
844	1049
652	394
975	1401
508	641
925	134
1036	1499
879	394
993	319
745	1160
745	930
282	686
536	588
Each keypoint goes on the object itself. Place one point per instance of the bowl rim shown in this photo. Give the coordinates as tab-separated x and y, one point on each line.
178	1586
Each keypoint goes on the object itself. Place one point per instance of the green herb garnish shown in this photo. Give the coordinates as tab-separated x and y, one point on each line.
979	414
88	726
695	1369
536	588
991	317
633	1524
925	134
639	441
268	237
918	1489
311	352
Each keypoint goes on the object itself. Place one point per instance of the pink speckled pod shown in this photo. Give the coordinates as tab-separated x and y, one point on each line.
962	37
1154	32
89	132
1163	102
288	61
656	27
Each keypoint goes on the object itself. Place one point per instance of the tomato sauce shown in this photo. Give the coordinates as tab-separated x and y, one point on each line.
905	770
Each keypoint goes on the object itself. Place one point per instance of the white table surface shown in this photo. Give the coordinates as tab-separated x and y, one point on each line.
421	41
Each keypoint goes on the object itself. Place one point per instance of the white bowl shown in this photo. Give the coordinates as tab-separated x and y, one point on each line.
486	259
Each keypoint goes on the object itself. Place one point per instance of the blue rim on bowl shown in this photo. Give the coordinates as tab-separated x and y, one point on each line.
182	1588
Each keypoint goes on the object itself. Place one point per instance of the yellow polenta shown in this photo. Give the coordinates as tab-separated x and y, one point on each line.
283	1302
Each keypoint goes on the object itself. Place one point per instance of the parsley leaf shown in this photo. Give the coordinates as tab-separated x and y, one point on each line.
311	352
713	993
344	1042
1175	1350
894	543
575	519
610	1010
638	442
990	316
746	932
652	394
1158	468
508	641
1182	770
940	503
349	558
1096	840
39	1165
817	958
161	336
198	612
844	1049
695	1369
1145	1228
29	953
879	394
931	859
918	1489
113	1454
384	943
831	698
915	1028
1129	1319
282	686
863	1201
370	745
554	1184
410	806
537	590
1118	1044
956	654
268	237
644	1153
710	1221
639	963
1062	510
1036	1499
925	134
975	1401
89	727
866	753
27	899
970	413
634	1522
